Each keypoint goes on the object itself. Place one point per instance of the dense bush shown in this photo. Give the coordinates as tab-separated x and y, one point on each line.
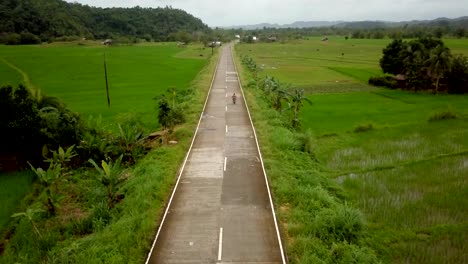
29	122
424	64
383	81
443	115
363	128
342	224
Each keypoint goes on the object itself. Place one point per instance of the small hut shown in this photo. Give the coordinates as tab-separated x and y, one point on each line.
107	42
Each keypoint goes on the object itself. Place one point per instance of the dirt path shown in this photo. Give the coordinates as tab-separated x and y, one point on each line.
27	82
221	209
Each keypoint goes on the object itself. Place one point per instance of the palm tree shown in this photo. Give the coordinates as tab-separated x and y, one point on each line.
297	99
439	63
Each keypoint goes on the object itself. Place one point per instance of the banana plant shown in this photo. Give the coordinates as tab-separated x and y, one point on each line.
29	216
295	103
109	175
47	178
62	156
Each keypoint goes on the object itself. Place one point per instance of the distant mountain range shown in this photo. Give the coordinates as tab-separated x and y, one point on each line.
458	22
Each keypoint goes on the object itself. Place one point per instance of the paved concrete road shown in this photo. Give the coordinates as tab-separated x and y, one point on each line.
220	211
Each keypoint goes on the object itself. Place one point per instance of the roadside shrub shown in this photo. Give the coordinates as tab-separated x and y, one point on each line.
363	128
252	83
130	141
339	224
110	176
308	142
344	253
29	38
443	115
12	39
20	124
60	126
383	81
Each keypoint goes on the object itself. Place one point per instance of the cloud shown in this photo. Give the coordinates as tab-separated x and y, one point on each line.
241	12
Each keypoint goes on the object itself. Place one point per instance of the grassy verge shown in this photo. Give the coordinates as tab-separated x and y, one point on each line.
318	226
85	230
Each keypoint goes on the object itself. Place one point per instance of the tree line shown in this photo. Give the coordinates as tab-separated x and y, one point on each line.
423	64
34	21
456	28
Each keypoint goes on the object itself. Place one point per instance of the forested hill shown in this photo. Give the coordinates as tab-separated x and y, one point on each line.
49	19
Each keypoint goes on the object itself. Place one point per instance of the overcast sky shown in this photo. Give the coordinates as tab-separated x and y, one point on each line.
243	12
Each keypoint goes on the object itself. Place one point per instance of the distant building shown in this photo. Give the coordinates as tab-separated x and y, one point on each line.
237	36
107	42
215	44
325	39
272	39
254	38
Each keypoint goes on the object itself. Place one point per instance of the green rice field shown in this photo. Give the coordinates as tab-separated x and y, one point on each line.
13	187
406	174
74	72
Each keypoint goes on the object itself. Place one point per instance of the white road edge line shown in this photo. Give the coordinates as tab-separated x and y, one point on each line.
220	245
227	129
225	162
183	165
263	166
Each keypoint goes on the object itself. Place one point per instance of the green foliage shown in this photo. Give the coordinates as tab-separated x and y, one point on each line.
363	128
457	77
392	60
131	141
308	142
443	115
61	156
342	224
383	81
277	92
169	116
28	20
425	63
296	102
110	175
27	127
29	215
19	121
252	66
48	178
